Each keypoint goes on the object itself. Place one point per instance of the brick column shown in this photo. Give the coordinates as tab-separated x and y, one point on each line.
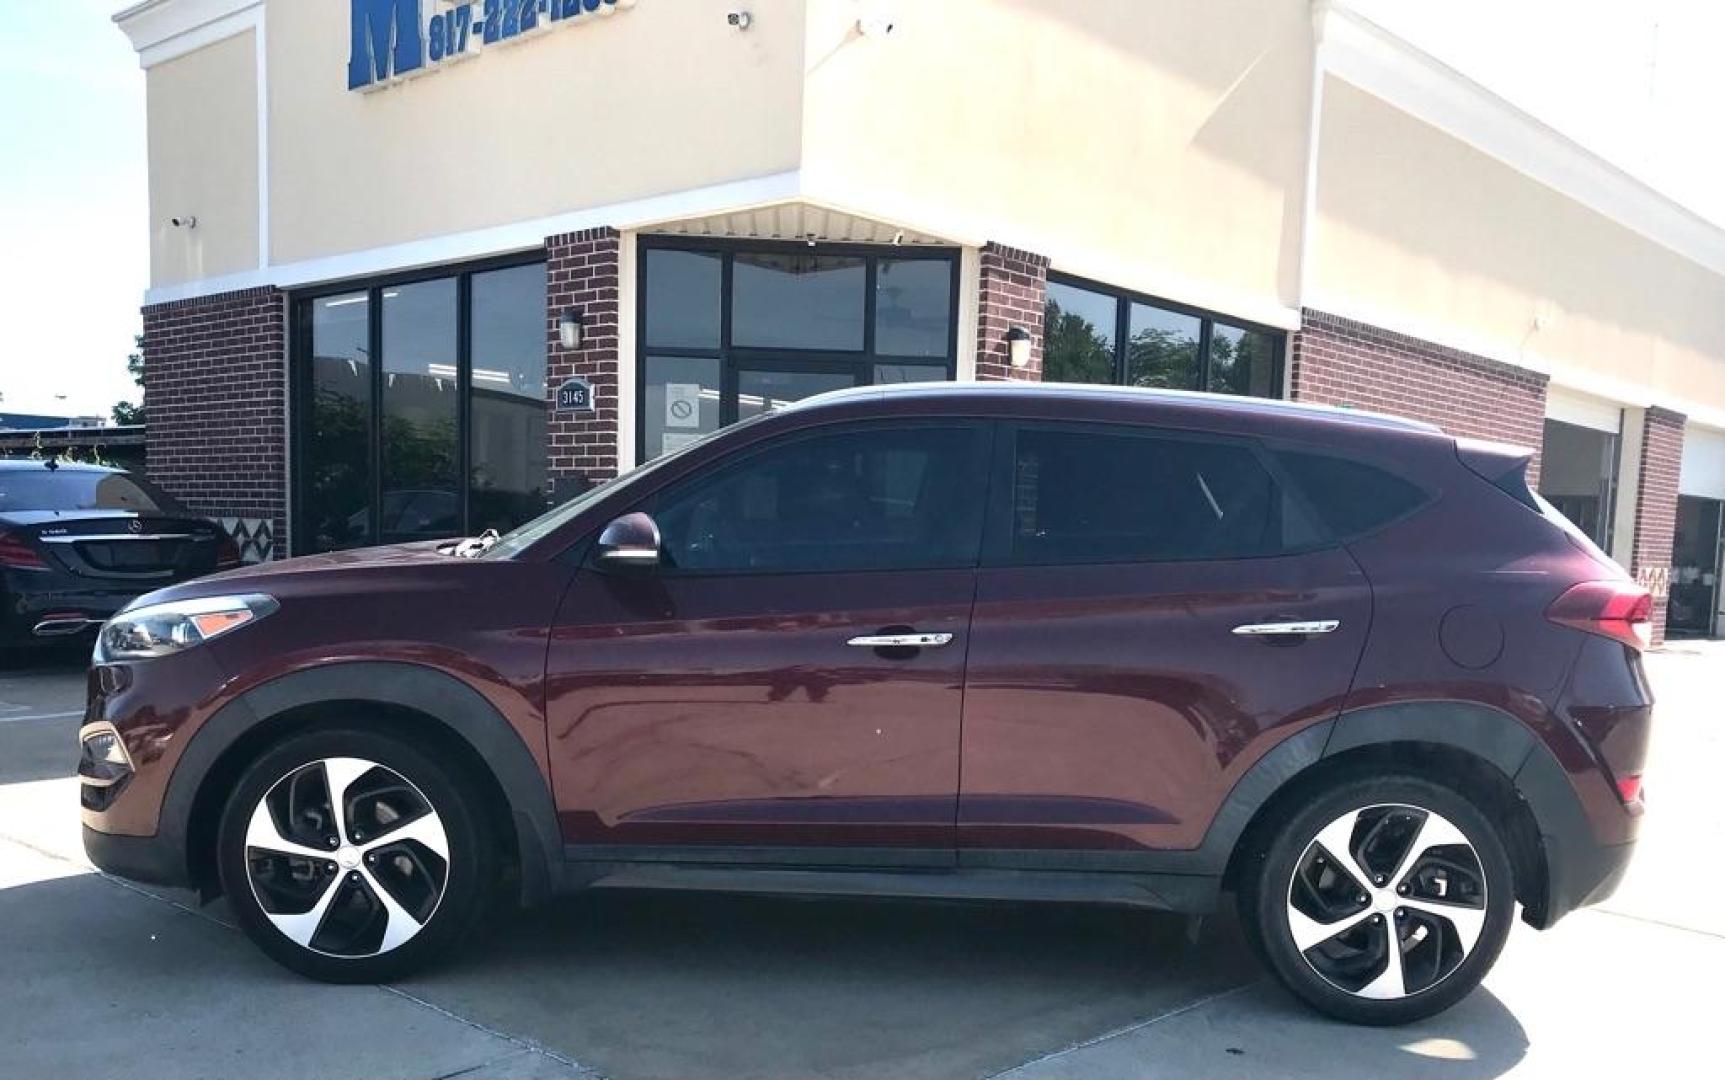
1337	361
215	399
581	272
1013	291
1656	509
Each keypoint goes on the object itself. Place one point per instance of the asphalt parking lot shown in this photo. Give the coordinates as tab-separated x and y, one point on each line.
100	978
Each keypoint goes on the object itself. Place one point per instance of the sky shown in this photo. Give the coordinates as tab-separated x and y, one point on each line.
1639	81
74	241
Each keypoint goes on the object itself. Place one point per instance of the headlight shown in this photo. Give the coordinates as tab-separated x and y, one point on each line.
161	629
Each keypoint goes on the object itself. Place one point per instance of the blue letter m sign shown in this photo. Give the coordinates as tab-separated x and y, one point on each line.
386	41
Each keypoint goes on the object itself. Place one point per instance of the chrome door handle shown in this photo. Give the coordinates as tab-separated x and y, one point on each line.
1288	629
900	641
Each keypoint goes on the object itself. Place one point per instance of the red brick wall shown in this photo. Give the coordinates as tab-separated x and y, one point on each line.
1337	361
215	398
1013	289
581	272
1656	509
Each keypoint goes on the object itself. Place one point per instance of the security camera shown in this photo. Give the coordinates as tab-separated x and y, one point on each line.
185	221
739	19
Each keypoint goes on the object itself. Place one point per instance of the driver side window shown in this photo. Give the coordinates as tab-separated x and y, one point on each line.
858	499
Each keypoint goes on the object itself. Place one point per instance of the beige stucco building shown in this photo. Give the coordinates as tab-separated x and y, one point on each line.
385	233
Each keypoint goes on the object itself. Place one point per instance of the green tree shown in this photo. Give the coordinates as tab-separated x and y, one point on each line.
125	412
1072	349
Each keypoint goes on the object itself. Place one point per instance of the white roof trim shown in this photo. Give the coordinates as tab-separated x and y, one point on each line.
501	239
161	30
1360	52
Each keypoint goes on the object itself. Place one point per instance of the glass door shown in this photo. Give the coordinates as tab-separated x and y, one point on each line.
730	330
1695	567
765	389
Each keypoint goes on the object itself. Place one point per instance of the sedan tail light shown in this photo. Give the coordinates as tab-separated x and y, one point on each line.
1620	610
17	554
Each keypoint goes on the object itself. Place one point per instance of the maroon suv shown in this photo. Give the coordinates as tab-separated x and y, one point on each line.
1016	642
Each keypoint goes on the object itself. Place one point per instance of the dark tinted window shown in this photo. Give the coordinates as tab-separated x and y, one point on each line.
913	307
1242	361
797	301
506	399
42	488
1163	348
683	299
336	475
1114	496
1078	335
1351	497
860	500
421	408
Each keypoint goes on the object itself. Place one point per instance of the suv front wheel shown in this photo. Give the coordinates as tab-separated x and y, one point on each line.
1382	900
352	856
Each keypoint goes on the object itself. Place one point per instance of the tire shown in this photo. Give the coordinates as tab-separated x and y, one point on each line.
376	905
1437	879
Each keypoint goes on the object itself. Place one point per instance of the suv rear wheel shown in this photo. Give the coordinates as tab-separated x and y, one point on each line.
1382	900
353	856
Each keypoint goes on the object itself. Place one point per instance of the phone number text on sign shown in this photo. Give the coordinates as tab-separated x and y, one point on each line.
394	39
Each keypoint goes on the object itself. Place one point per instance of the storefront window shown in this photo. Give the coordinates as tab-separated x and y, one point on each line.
913	307
1242	361
457	390
734	330
336	476
421	410
682	401
506	398
1078	335
794	301
1578	475
1695	566
1092	334
685	288
1163	348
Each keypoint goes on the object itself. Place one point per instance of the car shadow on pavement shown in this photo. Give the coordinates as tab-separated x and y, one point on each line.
659	984
694	986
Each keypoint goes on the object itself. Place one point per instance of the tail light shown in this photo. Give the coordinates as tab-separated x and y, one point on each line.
1619	610
17	554
227	553
1629	789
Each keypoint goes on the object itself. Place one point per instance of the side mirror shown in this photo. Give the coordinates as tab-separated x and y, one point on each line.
630	542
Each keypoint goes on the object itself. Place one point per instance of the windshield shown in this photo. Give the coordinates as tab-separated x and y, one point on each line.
522	537
78	489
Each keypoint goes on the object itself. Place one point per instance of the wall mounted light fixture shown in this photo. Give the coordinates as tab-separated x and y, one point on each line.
569	329
1018	346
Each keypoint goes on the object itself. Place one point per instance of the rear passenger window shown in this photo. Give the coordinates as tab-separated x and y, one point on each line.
1350	497
1118	496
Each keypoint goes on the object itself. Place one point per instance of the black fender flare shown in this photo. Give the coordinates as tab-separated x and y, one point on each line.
1483	732
455	704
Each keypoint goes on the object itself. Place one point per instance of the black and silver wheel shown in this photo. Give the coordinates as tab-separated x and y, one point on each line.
1384	900
351	856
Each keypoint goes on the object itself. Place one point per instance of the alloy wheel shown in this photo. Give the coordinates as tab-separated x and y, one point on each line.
347	857
1387	901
